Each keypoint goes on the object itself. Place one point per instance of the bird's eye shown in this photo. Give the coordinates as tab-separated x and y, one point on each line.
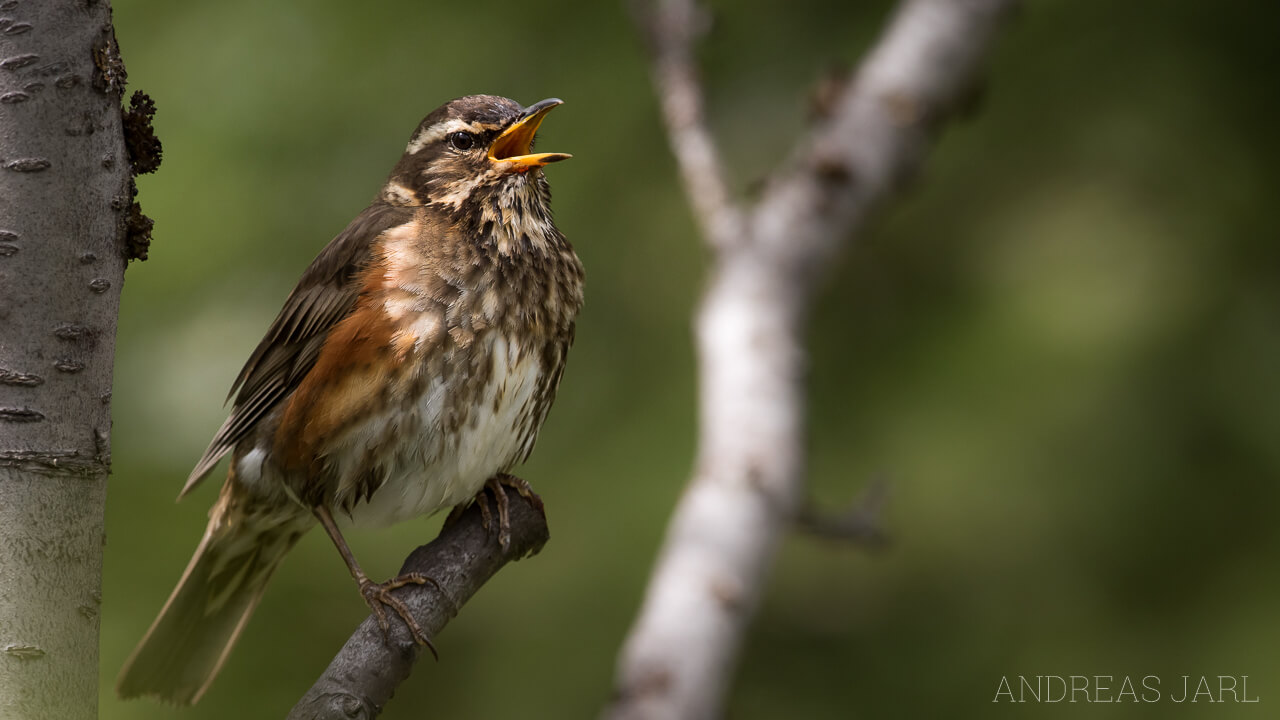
462	140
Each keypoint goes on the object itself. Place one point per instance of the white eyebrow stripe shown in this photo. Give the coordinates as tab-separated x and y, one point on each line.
439	130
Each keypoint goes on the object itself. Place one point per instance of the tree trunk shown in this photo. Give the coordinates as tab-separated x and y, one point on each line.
64	196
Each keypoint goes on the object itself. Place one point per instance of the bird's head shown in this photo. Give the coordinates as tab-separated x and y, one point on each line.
471	152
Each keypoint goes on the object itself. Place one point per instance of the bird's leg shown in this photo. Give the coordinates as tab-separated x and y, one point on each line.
495	485
378	594
456	513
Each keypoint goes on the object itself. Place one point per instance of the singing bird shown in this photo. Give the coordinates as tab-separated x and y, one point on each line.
413	364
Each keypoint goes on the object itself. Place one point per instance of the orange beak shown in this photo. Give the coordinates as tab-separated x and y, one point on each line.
513	145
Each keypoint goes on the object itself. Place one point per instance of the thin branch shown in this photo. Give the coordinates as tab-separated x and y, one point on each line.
670	29
750	478
916	77
860	524
364	674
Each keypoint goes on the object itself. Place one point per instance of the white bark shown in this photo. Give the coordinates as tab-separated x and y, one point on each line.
749	478
63	192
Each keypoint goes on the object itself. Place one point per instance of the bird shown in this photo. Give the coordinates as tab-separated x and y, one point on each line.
410	368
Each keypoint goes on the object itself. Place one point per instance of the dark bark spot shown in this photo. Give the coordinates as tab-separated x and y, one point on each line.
903	109
18	61
24	652
7	249
341	705
102	450
58	461
28	165
833	171
18	29
79	334
67	81
99	285
828	92
12	377
650	681
111	75
68	365
20	415
13	98
728	595
88	258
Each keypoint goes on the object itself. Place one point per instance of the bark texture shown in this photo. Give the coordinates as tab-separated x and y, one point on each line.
64	195
749	479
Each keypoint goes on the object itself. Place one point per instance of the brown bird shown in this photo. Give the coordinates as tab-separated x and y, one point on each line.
413	363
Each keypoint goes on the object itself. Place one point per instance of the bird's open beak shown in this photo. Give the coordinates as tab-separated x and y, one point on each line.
512	146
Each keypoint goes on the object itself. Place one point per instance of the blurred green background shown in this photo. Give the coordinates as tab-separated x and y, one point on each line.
1061	348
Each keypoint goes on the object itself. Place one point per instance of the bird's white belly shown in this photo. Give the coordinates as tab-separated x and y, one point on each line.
426	466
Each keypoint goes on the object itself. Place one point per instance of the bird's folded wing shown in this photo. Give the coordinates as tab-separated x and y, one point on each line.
325	295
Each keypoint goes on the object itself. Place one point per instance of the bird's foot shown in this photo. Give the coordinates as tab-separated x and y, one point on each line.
523	488
378	597
495	485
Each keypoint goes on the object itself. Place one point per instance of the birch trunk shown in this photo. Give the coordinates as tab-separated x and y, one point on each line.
64	192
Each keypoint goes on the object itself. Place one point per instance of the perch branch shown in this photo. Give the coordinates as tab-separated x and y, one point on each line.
749	477
365	672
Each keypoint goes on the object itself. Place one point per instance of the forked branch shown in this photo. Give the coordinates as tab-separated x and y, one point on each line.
670	28
749	481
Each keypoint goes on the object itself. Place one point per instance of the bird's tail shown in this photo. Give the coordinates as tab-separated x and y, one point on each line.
187	644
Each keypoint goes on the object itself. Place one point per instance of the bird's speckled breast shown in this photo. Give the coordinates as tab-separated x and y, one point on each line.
430	455
438	379
472	384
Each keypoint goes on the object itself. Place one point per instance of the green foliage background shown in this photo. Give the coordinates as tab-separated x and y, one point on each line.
1061	349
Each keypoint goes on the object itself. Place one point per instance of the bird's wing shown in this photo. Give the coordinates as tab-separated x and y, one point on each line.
324	296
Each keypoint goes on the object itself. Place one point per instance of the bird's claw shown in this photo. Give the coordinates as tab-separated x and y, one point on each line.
495	485
378	595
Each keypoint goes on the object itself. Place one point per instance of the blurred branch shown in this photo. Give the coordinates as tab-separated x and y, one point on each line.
922	72
670	28
749	477
862	523
364	674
